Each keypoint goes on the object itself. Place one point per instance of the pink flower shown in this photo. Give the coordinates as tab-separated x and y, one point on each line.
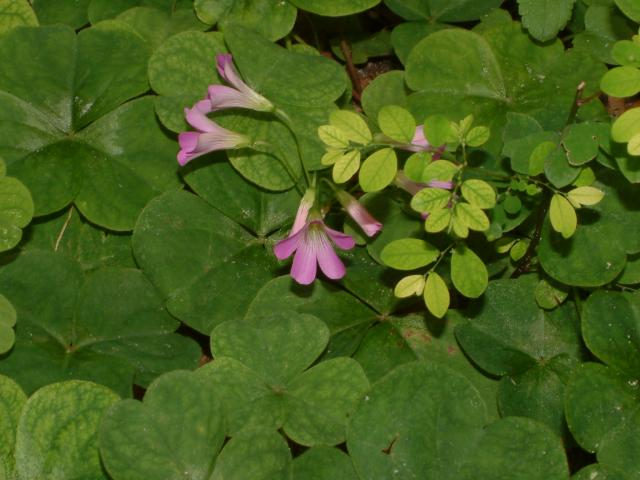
354	208
303	210
419	143
412	187
312	247
239	95
209	137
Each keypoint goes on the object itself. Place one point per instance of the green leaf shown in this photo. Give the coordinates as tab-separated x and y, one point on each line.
633	147
405	35
323	463
346	316
346	166
621	82
335	8
284	77
461	425
615	343
505	72
16	211
7	322
438	220
550	294
397	123
545	18
562	216
16	13
468	272
352	125
582	142
255	454
479	193
180	70
429	199
598	471
48	417
477	136
176	431
471	217
511	334
558	170
539	156
409	254
627	52
409	285
442	10
598	401
439	170
437	130
630	9
267	387
12	400
626	125
249	13
386	89
585	195
73	13
378	170
617	448
70	334
582	261
333	136
436	295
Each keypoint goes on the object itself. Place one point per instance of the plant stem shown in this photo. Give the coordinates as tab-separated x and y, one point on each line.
286	121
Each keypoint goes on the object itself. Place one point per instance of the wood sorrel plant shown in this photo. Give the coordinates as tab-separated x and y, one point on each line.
216	219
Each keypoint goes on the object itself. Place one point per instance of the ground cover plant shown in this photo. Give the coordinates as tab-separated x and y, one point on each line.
319	239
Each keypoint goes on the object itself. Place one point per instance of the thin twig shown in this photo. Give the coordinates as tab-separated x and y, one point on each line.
63	230
351	70
524	264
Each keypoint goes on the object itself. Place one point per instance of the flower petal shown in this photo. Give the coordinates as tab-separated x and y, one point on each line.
343	241
222	60
284	248
222	96
329	262
440	184
304	266
197	117
418	137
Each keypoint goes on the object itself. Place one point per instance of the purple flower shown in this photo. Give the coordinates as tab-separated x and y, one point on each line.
303	210
356	210
419	143
209	137
239	95
312	247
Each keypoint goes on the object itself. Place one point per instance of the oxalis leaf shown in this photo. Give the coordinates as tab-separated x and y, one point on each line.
12	400
535	349
545	18
110	327
48	416
267	387
60	100
176	432
207	266
385	432
505	72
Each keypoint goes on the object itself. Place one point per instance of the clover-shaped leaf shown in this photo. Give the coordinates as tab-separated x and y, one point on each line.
66	138
12	400
389	437
260	371
176	432
208	266
110	327
16	210
347	318
14	13
323	463
535	350
58	431
8	317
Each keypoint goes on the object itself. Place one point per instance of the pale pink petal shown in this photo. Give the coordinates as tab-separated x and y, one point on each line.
188	141
369	225
440	184
308	199
222	96
329	262
304	266
285	248
198	119
419	139
343	241
222	60
220	140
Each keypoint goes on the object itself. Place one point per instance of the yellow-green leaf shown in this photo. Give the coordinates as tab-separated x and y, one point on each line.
397	123
439	170
468	272
633	147
331	157
436	295
410	285
586	195
438	220
563	216
346	166
477	136
471	216
409	254
429	199
333	136
459	227
479	193
352	125
378	170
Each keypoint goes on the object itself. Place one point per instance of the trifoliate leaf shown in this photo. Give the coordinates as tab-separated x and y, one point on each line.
471	216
